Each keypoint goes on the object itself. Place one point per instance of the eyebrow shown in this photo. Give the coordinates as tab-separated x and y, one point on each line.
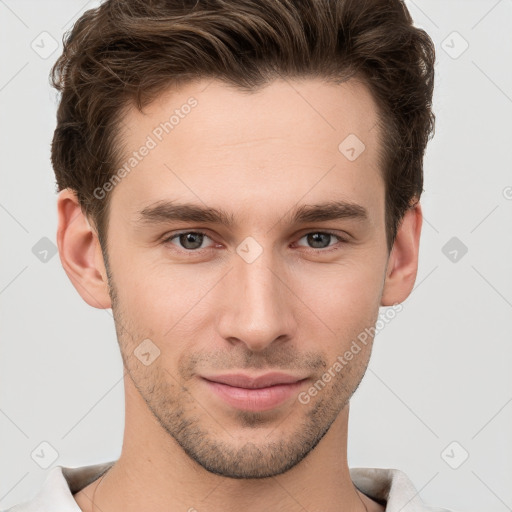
166	211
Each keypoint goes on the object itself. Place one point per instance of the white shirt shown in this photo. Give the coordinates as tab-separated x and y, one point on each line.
390	487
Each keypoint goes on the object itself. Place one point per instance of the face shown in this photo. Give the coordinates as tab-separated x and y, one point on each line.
267	278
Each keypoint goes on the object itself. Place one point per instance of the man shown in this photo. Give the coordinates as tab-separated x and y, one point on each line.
240	181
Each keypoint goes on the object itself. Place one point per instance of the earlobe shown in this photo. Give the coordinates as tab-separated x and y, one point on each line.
80	252
403	261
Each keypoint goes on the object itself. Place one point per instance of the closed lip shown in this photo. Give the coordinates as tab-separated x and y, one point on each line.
241	380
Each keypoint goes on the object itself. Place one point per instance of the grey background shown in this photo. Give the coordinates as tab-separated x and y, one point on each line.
440	371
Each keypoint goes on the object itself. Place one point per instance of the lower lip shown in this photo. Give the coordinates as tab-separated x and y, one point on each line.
261	399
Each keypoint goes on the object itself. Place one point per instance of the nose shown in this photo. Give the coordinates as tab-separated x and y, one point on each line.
257	304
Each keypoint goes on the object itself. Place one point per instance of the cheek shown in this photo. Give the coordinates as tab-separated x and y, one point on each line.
342	291
345	302
148	285
144	303
170	305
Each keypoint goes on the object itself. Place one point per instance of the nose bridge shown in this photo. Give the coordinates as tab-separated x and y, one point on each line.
257	308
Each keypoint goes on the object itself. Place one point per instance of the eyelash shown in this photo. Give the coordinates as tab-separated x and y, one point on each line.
341	240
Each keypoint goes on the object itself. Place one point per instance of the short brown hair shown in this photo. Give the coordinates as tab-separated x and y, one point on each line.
127	52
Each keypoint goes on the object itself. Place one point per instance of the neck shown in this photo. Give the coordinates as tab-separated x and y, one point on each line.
154	473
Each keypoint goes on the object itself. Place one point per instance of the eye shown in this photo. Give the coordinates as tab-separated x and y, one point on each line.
321	239
192	241
188	240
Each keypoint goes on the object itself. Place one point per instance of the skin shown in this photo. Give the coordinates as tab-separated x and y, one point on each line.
295	308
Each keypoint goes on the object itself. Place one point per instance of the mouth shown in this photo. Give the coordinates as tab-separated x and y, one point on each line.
255	393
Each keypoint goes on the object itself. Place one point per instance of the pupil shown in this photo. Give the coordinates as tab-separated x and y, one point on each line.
189	237
316	238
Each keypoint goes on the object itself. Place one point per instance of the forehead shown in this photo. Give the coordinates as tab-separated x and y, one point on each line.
223	114
216	144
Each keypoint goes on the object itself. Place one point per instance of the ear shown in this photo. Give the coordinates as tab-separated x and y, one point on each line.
80	252
403	260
